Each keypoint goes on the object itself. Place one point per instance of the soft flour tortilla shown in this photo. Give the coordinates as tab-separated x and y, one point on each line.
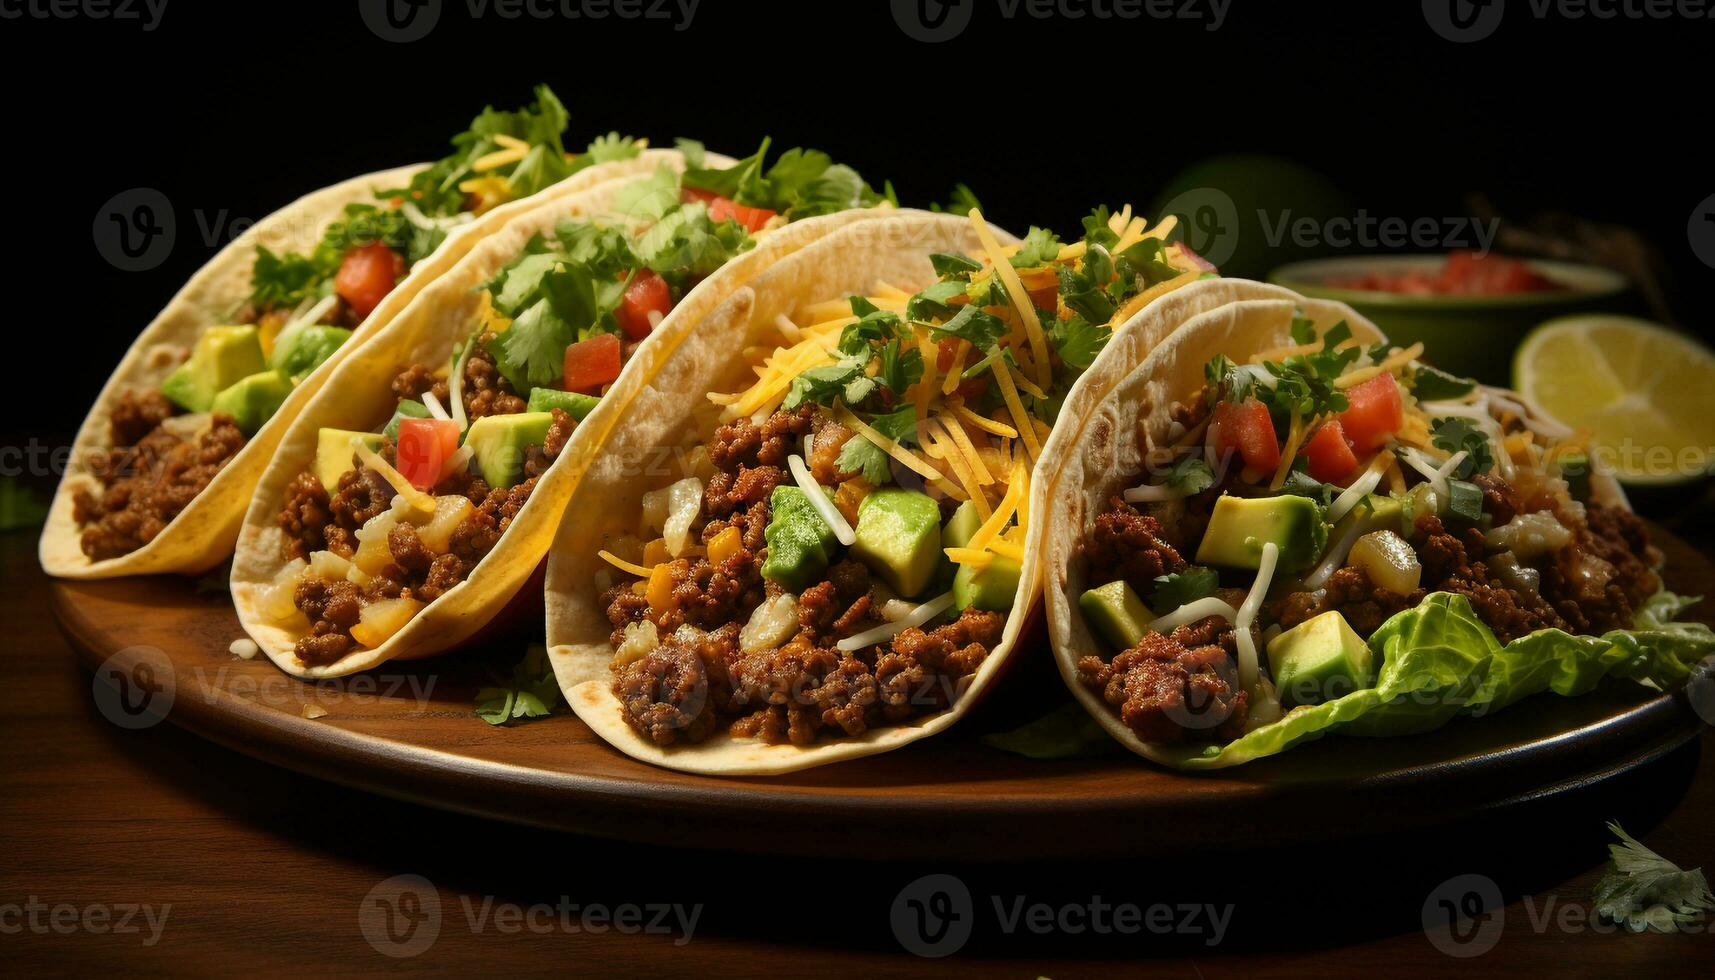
671	416
1122	406
202	534
357	397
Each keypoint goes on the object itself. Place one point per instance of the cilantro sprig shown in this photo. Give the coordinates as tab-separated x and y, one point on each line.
1458	434
801	183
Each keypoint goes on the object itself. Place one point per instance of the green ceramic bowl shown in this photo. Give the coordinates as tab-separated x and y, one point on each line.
1469	335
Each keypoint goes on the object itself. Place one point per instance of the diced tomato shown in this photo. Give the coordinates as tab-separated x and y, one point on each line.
592	363
647	294
424	447
1376	412
366	275
973	387
1247	428
722	208
1330	455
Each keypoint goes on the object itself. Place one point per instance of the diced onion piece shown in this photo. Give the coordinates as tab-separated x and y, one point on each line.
382	618
1529	536
640	638
450	511
773	623
655	509
373	554
819	500
329	566
684	502
1388	561
1360	488
1149	493
1519	578
433	404
1248	671
922	614
277	600
1193	611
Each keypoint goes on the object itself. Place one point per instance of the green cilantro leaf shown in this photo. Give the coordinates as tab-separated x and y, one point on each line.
973	325
1191	475
531	691
1078	341
960	201
1645	890
859	455
1039	248
1461	434
953	264
1179	588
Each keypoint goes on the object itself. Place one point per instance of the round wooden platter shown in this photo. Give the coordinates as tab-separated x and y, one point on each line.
408	730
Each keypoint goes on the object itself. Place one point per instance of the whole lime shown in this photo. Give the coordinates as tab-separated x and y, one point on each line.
1251	212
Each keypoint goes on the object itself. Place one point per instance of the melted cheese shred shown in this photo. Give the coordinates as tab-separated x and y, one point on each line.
1020	299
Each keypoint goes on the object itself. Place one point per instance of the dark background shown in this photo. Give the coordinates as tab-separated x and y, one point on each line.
232	110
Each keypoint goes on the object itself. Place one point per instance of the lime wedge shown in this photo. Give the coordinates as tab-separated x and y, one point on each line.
1645	392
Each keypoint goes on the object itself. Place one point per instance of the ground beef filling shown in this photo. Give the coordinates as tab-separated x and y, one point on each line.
698	681
1182	687
313	520
148	476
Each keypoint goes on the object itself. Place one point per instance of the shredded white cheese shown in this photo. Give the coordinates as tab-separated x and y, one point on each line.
1149	493
1248	671
1192	611
433	404
455	386
1359	489
819	500
922	614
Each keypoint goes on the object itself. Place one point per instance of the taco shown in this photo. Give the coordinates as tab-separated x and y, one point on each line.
806	539
165	461
419	490
1277	525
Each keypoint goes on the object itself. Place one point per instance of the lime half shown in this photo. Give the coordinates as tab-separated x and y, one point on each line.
1646	393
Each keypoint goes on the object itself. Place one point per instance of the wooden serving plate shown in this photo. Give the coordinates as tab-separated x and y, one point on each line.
408	730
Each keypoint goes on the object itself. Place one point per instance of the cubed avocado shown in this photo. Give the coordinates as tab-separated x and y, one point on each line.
962	526
992	587
1575	470
799	540
576	405
498	442
252	401
408	409
1117	614
1240	526
1319	660
303	348
222	356
334	452
1376	512
899	538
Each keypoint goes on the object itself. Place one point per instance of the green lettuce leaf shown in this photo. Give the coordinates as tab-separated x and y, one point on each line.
1440	661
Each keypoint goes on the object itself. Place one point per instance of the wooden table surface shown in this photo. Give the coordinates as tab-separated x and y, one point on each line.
153	851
